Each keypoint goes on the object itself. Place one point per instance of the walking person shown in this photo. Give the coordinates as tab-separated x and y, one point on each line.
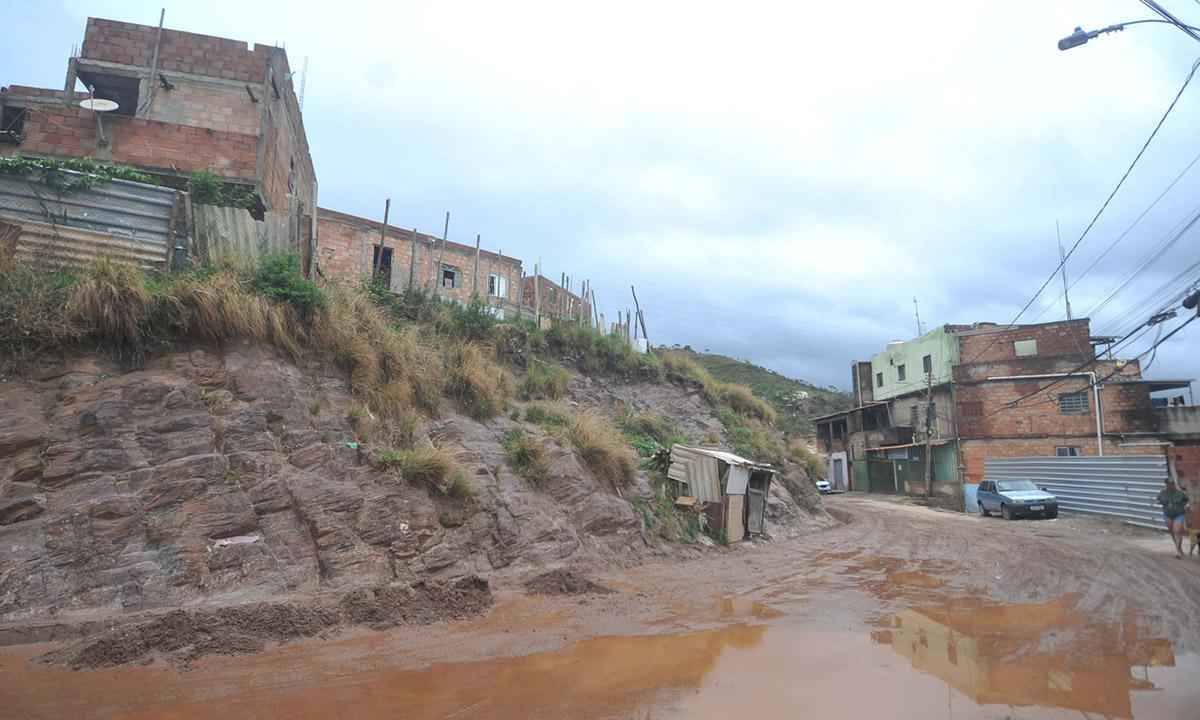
1174	504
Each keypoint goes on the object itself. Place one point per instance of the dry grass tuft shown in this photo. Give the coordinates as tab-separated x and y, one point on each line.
113	304
745	403
390	367
526	456
476	382
437	468
544	381
604	450
739	398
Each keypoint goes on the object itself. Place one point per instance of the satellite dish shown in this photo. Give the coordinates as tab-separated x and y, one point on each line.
99	105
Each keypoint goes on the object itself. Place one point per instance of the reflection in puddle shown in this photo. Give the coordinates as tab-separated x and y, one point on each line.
1046	654
962	658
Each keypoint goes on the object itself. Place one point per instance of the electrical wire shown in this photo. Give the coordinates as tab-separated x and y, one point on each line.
1139	309
1050	278
1120	237
1152	258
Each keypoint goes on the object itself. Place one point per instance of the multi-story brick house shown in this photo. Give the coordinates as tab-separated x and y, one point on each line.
351	248
971	392
185	103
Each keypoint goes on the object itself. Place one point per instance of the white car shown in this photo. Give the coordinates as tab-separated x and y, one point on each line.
824	487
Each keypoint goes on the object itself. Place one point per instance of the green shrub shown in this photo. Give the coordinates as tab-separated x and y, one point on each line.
526	456
550	416
33	314
544	381
279	278
207	188
473	321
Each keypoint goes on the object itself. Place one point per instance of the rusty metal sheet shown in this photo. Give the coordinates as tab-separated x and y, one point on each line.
698	471
49	246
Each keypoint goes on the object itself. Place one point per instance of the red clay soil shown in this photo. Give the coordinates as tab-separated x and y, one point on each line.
182	636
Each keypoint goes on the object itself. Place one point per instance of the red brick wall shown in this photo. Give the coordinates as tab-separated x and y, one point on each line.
972	453
133	44
56	130
1053	339
1186	457
556	301
345	248
287	168
983	409
181	148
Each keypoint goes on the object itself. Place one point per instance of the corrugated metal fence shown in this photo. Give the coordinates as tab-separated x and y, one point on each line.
1117	486
124	219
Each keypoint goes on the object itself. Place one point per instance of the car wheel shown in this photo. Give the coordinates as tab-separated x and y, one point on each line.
983	511
1006	512
1051	514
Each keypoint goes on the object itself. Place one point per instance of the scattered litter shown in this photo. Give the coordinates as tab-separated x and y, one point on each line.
352	445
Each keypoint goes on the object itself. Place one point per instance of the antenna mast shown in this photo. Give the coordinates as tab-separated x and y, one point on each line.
303	81
1062	259
917	311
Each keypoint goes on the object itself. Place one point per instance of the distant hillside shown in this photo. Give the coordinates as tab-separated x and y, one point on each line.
796	410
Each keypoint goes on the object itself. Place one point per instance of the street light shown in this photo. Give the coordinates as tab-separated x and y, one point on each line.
1081	36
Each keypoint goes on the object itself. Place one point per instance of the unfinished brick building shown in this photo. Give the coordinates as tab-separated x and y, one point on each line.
555	301
972	392
185	103
351	248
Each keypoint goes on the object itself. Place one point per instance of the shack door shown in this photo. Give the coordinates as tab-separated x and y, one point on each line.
756	500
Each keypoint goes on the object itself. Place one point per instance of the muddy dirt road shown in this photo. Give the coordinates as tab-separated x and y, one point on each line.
900	612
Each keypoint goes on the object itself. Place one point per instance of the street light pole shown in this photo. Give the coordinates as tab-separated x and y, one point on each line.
1081	36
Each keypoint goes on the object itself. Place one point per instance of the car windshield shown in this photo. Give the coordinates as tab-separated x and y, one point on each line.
1016	485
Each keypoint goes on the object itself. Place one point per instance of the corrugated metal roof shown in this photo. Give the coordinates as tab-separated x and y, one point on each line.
724	456
696	470
699	469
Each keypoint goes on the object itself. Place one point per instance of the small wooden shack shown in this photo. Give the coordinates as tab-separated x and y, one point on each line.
732	489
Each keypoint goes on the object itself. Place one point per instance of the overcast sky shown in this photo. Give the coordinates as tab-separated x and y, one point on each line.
779	183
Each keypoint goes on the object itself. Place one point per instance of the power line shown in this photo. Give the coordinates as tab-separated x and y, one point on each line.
1104	206
1138	309
1154	256
1122	236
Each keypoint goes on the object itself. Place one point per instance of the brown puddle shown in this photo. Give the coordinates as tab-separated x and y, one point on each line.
959	658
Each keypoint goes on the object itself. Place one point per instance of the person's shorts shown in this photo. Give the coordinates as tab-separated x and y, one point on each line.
1180	519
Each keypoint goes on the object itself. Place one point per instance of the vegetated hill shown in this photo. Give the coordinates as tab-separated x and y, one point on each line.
228	435
798	402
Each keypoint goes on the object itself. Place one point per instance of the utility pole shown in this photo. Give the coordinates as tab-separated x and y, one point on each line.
929	434
917	310
437	269
1062	259
387	207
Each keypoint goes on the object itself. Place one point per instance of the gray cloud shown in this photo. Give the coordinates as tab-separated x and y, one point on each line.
778	182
